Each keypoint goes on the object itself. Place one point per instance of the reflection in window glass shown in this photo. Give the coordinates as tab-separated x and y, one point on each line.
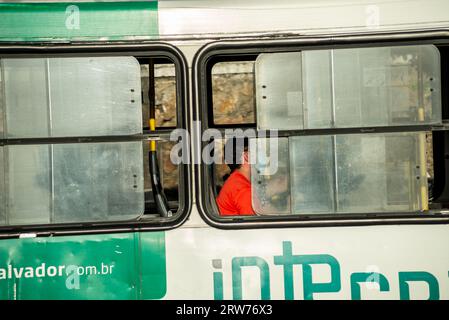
349	88
233	92
75	182
59	97
355	173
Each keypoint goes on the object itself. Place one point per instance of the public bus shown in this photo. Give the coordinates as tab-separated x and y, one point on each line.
108	111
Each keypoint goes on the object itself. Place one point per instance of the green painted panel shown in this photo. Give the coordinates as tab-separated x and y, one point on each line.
78	21
153	266
117	266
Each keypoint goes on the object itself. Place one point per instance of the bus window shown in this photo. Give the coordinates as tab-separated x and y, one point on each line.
169	175
159	91
74	147
233	92
164	93
353	130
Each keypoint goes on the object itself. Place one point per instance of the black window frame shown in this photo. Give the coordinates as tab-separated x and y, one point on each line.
218	51
136	49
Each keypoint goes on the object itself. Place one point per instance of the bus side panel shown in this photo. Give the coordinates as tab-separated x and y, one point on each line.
83	267
367	262
80	21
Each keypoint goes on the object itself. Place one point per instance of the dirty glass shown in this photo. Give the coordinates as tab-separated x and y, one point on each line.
317	89
59	97
387	86
75	182
378	173
25	98
340	88
270	176
29	184
312	177
279	91
351	173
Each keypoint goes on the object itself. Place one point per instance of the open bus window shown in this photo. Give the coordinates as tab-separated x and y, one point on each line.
233	92
164	93
169	175
346	167
159	92
74	147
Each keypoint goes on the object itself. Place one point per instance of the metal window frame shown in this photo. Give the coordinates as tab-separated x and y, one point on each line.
141	48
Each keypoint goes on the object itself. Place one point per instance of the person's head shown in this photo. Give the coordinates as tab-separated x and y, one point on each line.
236	153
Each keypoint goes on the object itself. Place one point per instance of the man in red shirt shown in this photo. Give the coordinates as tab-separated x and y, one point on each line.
235	196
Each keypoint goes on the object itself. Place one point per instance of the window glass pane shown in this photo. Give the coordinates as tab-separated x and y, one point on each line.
75	182
29	184
348	97
387	86
311	160
317	89
233	92
353	173
378	173
279	91
349	88
101	181
270	176
92	96
26	97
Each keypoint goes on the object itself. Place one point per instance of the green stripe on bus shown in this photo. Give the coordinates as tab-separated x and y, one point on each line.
108	266
78	21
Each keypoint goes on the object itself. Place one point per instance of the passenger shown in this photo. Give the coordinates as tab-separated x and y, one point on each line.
235	196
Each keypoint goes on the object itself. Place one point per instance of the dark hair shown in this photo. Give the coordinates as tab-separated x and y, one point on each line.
233	150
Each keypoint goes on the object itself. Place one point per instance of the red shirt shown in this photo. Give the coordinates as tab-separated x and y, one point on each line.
235	196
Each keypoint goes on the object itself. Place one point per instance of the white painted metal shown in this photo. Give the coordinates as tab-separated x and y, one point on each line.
192	249
222	18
